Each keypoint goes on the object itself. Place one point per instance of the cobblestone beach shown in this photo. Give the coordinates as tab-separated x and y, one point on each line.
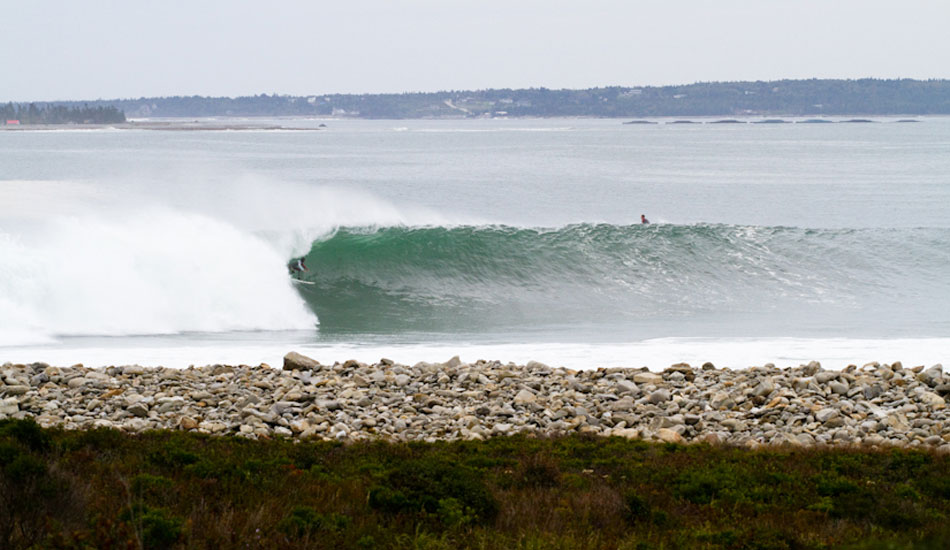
875	404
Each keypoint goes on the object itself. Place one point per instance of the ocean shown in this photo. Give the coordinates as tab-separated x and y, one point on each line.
513	240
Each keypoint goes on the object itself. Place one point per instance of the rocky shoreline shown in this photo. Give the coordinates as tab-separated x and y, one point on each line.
873	405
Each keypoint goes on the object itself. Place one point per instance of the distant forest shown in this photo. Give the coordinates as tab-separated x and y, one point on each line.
782	97
34	113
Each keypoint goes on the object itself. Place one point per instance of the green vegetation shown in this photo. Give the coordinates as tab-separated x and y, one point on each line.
782	97
60	114
164	490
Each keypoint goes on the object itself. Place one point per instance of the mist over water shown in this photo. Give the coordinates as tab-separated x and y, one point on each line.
477	235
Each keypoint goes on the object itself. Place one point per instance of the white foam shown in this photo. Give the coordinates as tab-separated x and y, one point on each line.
655	354
150	271
198	250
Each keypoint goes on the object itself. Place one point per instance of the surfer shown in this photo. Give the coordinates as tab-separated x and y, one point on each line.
643	219
297	265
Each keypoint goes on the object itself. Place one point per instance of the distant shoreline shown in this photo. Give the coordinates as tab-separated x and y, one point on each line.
242	123
185	124
779	98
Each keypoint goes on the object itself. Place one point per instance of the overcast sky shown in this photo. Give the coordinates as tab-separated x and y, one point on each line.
94	49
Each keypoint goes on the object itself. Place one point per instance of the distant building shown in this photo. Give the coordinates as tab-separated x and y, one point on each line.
13	122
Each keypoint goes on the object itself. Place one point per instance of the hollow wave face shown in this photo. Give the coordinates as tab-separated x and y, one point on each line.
472	277
144	271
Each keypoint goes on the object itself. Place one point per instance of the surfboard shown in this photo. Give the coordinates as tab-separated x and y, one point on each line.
302	282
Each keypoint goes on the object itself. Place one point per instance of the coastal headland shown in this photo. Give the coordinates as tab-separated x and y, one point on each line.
876	405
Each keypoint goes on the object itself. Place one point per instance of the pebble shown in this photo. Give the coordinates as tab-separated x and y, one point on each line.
874	405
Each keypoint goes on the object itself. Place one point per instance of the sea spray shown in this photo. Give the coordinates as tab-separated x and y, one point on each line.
149	271
114	258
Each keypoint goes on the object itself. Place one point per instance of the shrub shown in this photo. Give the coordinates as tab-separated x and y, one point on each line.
30	496
636	508
304	521
453	513
156	527
26	432
704	486
160	530
417	486
538	473
832	485
151	488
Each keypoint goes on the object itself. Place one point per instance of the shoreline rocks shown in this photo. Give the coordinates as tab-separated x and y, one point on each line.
876	404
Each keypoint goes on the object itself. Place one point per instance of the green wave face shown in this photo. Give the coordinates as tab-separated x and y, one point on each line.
471	278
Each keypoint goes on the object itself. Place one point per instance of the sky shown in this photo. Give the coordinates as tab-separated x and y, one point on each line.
104	49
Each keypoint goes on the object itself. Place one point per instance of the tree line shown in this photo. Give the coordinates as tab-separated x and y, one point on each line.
761	98
34	113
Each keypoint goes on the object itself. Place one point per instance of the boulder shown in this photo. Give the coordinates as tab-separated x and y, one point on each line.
659	396
931	399
838	387
138	409
623	404
9	406
626	386
722	400
669	436
826	414
295	361
524	397
932	376
647	378
811	368
188	423
764	388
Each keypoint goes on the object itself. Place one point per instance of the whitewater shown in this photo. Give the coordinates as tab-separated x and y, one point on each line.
510	240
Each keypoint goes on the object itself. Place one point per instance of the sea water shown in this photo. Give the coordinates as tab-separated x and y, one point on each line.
493	239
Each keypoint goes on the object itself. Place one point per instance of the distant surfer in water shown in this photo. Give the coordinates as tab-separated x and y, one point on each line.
643	219
297	266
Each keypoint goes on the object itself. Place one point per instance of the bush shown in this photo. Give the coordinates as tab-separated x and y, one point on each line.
636	508
30	495
418	486
173	456
157	528
151	488
704	486
160	530
26	432
538	473
304	521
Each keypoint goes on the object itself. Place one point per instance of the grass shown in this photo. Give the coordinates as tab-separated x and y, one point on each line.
106	489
